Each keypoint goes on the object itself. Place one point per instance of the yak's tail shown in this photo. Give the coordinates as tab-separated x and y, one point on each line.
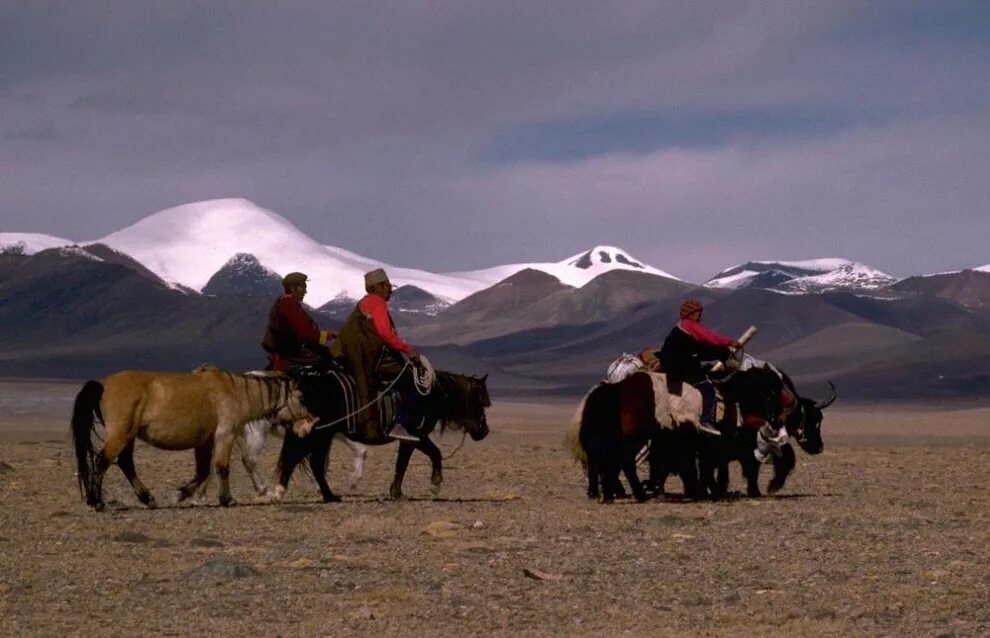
572	439
86	407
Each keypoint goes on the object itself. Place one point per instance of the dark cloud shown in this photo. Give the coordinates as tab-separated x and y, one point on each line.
458	135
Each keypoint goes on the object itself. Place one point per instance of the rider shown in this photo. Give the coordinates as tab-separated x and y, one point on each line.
292	338
375	352
687	345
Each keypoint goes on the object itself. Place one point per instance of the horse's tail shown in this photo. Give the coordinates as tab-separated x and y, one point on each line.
572	439
86	407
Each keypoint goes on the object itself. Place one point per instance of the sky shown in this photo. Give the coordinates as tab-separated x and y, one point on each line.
459	135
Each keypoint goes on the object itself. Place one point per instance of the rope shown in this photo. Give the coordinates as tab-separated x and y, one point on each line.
423	376
457	449
380	396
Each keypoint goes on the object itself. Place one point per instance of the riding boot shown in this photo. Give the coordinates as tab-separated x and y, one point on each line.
404	417
708	409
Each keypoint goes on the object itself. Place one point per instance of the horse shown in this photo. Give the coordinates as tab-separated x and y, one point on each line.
616	420
204	410
254	437
455	401
802	420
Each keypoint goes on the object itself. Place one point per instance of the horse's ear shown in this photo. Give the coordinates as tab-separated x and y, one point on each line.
484	378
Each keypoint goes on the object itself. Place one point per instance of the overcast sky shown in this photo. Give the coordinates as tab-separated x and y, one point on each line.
458	135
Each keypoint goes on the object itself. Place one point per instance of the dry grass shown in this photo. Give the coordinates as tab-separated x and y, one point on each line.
886	533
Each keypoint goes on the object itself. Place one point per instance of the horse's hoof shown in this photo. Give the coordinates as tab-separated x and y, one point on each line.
227	501
395	494
331	498
151	503
99	506
435	489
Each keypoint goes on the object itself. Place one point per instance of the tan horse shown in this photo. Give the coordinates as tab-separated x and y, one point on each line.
205	410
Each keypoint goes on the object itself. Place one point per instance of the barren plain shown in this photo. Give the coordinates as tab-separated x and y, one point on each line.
886	533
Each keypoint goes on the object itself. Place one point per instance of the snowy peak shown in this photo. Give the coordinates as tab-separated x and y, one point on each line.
983	268
802	277
244	275
575	271
187	245
29	243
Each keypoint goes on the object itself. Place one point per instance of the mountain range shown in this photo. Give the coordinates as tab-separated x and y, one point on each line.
193	284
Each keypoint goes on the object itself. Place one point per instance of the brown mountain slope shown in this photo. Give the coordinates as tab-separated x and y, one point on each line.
970	288
539	301
947	364
836	349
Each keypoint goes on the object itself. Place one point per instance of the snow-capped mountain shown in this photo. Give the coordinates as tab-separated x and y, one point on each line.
30	243
802	277
983	268
576	270
188	244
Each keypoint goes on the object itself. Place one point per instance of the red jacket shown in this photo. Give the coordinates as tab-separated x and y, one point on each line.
376	310
291	309
703	334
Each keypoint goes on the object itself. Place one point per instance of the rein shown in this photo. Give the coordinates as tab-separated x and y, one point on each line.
459	446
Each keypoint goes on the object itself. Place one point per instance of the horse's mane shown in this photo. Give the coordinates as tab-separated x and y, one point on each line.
276	383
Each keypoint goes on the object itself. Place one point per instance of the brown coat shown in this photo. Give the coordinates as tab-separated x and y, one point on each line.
370	361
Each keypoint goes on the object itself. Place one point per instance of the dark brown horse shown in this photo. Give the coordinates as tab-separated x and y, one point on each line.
455	401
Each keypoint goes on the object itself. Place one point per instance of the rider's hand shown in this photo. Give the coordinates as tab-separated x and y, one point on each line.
414	357
736	345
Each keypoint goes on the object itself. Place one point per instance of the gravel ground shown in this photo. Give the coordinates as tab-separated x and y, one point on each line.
886	533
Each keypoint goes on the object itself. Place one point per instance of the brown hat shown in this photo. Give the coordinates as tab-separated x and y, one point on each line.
294	279
690	307
376	276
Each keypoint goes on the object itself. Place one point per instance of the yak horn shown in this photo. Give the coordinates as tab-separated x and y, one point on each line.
829	401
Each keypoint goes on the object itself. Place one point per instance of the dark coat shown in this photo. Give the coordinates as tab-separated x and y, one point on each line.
681	356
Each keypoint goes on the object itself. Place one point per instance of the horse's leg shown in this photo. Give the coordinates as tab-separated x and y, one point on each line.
688	468
360	452
294	450
204	454
223	445
117	440
126	464
318	465
629	451
782	466
427	447
255	434
401	464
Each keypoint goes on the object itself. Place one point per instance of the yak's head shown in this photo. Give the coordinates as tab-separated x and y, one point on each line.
805	423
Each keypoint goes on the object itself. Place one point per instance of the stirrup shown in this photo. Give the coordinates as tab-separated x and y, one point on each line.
708	429
399	432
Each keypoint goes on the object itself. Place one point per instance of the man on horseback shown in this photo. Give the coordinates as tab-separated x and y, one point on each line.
292	338
686	347
376	353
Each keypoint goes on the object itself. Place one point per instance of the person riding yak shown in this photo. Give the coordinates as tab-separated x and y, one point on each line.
292	338
685	348
376	353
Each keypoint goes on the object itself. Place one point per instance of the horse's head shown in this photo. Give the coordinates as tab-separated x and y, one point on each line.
805	423
288	403
465	399
478	401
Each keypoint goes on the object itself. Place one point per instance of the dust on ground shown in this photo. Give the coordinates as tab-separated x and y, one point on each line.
886	533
